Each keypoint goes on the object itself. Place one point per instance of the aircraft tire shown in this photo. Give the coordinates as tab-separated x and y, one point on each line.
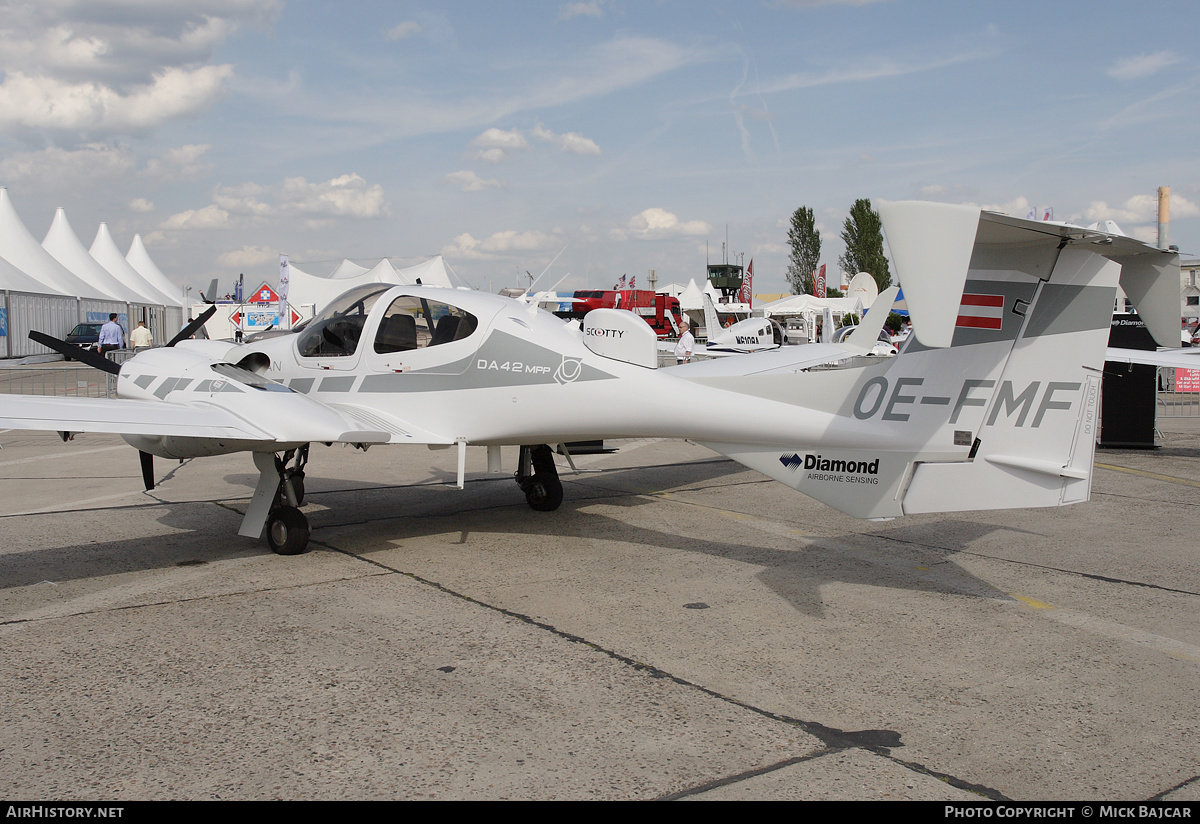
544	495
287	531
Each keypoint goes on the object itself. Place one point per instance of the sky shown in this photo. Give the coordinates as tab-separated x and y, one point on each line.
579	141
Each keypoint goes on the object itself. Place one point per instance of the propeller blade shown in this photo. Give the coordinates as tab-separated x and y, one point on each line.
70	350
147	469
189	330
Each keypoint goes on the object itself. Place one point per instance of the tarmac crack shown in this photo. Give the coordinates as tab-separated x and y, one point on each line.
879	742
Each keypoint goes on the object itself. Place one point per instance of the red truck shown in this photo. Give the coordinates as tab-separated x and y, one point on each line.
659	310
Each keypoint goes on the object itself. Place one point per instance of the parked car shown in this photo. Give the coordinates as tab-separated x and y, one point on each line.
86	335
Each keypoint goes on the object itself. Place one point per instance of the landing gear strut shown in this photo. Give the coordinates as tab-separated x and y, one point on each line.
276	502
538	478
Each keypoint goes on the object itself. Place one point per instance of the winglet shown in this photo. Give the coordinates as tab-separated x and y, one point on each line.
863	338
931	245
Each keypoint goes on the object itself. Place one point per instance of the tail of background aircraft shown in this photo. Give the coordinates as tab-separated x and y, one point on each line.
993	402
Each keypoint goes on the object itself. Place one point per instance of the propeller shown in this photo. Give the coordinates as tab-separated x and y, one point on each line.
70	350
189	330
98	361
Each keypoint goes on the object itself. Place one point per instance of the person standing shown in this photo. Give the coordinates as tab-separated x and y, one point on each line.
112	336
683	349
141	338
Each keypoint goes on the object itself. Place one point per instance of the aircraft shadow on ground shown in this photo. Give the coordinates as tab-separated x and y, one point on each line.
912	557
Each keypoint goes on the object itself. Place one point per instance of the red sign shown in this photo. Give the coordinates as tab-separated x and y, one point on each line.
264	294
1187	380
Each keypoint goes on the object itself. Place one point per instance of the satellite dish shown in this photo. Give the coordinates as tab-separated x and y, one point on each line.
863	287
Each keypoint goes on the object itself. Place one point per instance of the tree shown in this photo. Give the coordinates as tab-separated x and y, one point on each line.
863	236
805	241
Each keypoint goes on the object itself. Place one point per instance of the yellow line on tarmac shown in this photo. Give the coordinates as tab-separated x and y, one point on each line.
1155	475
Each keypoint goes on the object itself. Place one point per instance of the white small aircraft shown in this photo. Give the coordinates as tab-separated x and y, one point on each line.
992	403
749	335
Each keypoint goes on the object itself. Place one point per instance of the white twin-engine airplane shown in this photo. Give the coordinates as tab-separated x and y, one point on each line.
991	404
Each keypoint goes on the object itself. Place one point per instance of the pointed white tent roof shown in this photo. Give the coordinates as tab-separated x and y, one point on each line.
691	298
141	262
22	250
13	278
62	242
348	269
304	288
105	251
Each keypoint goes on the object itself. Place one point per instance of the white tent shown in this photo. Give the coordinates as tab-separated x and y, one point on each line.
15	280
104	250
692	298
807	304
348	269
19	248
64	245
141	262
304	288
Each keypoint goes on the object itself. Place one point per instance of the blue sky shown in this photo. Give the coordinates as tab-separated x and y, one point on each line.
618	136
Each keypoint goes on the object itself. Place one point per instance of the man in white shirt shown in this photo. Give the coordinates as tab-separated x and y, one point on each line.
683	349
141	338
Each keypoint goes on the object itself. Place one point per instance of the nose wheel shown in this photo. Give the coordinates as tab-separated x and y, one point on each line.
538	478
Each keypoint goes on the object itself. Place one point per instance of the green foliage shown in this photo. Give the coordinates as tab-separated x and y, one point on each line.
805	256
863	236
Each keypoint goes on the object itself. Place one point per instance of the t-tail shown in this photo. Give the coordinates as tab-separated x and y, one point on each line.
993	402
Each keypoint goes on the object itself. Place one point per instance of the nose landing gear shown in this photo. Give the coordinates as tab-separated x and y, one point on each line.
538	478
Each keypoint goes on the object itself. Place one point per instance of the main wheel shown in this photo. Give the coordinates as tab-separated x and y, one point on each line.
544	495
287	531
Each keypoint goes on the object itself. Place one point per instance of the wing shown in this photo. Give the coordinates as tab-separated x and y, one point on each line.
1179	358
280	419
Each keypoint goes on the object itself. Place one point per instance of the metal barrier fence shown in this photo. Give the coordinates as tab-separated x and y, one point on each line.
61	378
1178	394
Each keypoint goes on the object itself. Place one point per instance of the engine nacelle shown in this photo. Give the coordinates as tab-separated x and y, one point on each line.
621	335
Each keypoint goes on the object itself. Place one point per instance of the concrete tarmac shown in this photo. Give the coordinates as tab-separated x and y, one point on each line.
680	628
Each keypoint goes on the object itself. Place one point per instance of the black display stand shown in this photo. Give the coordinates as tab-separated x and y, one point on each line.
1127	407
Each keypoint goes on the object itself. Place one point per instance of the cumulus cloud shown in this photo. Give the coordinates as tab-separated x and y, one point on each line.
183	163
242	199
115	67
248	257
591	8
118	43
345	196
570	142
656	223
210	217
54	167
1018	207
492	155
403	30
1144	65
51	103
495	144
1140	209
140	204
499	243
468	181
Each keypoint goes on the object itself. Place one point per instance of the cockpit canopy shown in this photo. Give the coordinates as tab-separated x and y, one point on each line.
410	322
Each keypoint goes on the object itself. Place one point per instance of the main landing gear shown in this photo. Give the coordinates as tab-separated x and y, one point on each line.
276	502
538	478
